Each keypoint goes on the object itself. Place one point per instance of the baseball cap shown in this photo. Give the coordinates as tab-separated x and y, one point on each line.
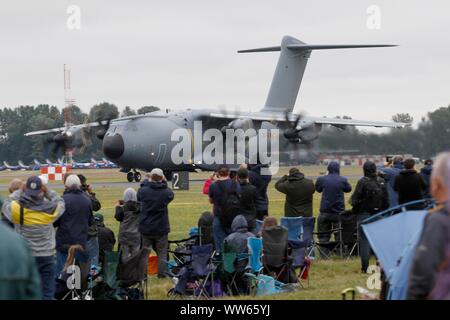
33	186
98	217
157	172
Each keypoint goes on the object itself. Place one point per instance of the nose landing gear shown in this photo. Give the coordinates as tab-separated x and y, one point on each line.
134	176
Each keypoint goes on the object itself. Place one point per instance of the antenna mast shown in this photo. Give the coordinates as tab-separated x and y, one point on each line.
69	102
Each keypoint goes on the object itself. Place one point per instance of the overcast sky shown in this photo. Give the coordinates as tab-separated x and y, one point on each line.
180	54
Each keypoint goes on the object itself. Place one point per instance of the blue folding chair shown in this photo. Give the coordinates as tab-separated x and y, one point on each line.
254	266
254	255
294	226
298	254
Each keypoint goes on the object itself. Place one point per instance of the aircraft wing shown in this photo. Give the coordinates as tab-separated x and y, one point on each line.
280	117
56	130
364	123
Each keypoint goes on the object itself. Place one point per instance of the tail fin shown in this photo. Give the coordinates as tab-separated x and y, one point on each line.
290	68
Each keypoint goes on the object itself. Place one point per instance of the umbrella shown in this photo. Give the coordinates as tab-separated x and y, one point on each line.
394	239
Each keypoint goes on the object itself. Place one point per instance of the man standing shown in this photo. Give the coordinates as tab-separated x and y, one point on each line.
73	226
248	199
426	175
299	194
410	185
220	192
92	244
370	197
261	182
155	196
33	211
390	172
332	186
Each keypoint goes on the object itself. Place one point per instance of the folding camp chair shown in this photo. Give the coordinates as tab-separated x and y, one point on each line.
276	259
203	267
294	226
300	260
230	258
327	248
132	274
254	266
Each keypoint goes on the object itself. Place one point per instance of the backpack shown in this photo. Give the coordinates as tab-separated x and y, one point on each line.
374	195
231	203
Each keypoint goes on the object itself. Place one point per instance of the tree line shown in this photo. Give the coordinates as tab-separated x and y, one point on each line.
429	137
15	122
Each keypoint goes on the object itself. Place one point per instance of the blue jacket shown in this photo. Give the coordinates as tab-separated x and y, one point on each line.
154	216
426	175
390	174
333	187
74	223
261	182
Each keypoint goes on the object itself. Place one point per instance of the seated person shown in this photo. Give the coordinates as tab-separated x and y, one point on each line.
238	239
267	223
106	238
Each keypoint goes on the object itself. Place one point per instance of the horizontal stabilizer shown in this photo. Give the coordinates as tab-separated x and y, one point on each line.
299	47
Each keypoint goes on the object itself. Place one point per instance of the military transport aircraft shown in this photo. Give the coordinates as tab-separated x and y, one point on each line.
143	142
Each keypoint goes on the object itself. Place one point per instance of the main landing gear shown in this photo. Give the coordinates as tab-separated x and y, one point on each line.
134	176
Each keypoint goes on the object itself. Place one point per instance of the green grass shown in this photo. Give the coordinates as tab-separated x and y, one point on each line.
327	278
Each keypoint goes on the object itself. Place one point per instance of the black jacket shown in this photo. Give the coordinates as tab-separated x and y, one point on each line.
248	203
430	253
410	187
74	223
363	198
106	238
261	182
299	195
154	218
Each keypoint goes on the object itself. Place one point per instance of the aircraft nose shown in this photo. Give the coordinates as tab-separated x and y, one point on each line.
113	146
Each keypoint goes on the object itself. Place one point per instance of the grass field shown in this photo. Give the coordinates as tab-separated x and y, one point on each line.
327	278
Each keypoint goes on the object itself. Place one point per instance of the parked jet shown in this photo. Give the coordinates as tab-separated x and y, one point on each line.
12	168
144	141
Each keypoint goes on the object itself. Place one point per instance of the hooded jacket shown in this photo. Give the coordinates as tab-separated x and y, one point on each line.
74	224
410	187
362	200
128	216
39	216
154	217
299	195
239	236
332	186
261	182
426	175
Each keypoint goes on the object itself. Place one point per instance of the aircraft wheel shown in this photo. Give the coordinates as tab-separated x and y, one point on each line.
137	177
130	176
